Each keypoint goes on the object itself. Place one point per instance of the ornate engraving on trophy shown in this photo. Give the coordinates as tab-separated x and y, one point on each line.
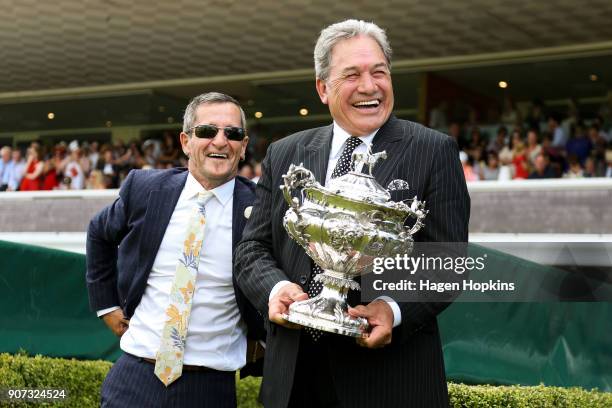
343	227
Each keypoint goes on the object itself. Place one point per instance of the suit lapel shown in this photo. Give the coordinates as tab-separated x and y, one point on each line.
160	207
243	197
315	153
387	138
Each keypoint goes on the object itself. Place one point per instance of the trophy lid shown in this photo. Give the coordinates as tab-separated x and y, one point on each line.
361	186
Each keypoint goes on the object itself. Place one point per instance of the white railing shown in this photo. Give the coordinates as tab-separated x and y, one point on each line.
474	186
560	184
31	195
75	241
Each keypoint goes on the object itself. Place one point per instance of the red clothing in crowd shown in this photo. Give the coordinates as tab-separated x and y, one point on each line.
50	180
520	166
28	184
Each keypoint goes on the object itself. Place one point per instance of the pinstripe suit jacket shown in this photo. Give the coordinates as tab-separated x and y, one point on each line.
123	240
410	371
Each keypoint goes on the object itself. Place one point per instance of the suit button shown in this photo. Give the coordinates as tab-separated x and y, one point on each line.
303	279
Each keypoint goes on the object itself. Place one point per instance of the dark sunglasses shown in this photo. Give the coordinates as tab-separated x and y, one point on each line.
210	131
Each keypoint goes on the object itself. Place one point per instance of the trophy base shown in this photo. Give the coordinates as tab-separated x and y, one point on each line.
328	312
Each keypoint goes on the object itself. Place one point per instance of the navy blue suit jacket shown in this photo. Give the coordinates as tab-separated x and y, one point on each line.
123	240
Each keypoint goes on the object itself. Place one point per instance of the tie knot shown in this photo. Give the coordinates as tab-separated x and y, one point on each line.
352	143
204	196
345	163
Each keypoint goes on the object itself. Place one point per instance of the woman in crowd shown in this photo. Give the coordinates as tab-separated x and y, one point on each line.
32	178
533	147
468	170
519	156
96	181
108	167
169	149
491	170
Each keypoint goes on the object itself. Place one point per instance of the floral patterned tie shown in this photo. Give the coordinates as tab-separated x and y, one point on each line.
169	358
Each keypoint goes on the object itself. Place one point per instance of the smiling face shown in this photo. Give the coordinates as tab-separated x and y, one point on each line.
214	162
358	91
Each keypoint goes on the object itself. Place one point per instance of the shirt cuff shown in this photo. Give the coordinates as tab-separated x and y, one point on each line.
107	311
397	313
277	287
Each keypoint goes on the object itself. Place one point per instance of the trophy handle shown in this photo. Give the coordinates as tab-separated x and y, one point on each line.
297	178
418	211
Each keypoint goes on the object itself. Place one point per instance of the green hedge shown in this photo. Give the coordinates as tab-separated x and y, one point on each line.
515	396
82	380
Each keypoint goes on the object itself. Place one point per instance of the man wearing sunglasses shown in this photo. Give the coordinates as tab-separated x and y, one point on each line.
400	364
160	275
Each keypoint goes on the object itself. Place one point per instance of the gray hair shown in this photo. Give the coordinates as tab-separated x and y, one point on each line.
332	35
208	98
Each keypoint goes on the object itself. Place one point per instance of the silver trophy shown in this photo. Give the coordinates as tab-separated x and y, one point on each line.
343	227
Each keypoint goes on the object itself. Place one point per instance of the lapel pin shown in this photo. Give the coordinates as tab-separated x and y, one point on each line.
398	184
247	212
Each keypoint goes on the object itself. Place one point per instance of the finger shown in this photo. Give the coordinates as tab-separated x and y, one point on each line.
379	337
276	311
283	303
361	341
373	341
281	321
277	318
289	290
359	311
298	296
368	343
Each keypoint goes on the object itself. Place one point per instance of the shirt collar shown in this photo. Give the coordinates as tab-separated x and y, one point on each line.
223	193
340	137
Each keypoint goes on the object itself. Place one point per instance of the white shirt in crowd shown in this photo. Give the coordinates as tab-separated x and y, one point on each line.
77	177
12	173
559	138
216	335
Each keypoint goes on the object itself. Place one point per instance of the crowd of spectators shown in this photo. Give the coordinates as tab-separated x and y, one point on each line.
92	165
87	165
537	146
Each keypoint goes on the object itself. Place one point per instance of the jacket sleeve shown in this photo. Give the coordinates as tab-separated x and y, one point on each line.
105	232
256	268
448	203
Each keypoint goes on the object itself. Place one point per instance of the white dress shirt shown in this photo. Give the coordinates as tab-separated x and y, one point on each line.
16	174
5	170
559	138
216	335
339	138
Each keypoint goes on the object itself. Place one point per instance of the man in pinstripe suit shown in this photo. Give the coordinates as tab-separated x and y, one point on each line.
401	363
